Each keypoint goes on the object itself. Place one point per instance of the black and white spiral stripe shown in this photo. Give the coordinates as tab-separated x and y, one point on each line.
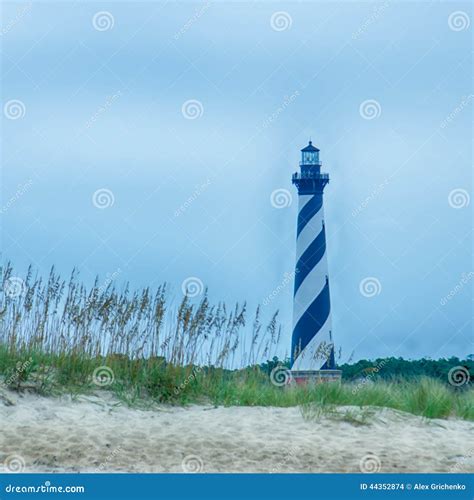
311	313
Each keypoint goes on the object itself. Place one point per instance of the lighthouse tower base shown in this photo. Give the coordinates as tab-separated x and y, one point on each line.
303	377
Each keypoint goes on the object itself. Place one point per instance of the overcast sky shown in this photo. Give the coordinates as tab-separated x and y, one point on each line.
152	140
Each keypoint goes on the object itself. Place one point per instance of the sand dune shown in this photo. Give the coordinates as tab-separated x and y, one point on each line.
97	433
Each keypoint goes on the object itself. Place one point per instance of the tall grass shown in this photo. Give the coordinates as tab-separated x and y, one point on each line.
57	335
59	317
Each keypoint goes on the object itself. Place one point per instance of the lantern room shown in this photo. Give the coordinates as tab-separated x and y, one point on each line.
310	155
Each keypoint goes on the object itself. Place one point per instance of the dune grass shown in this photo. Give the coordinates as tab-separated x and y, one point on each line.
58	336
138	382
65	317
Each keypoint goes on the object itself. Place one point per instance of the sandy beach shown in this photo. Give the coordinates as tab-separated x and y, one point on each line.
98	433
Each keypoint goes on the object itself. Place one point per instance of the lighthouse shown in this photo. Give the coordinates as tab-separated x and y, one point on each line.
312	347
